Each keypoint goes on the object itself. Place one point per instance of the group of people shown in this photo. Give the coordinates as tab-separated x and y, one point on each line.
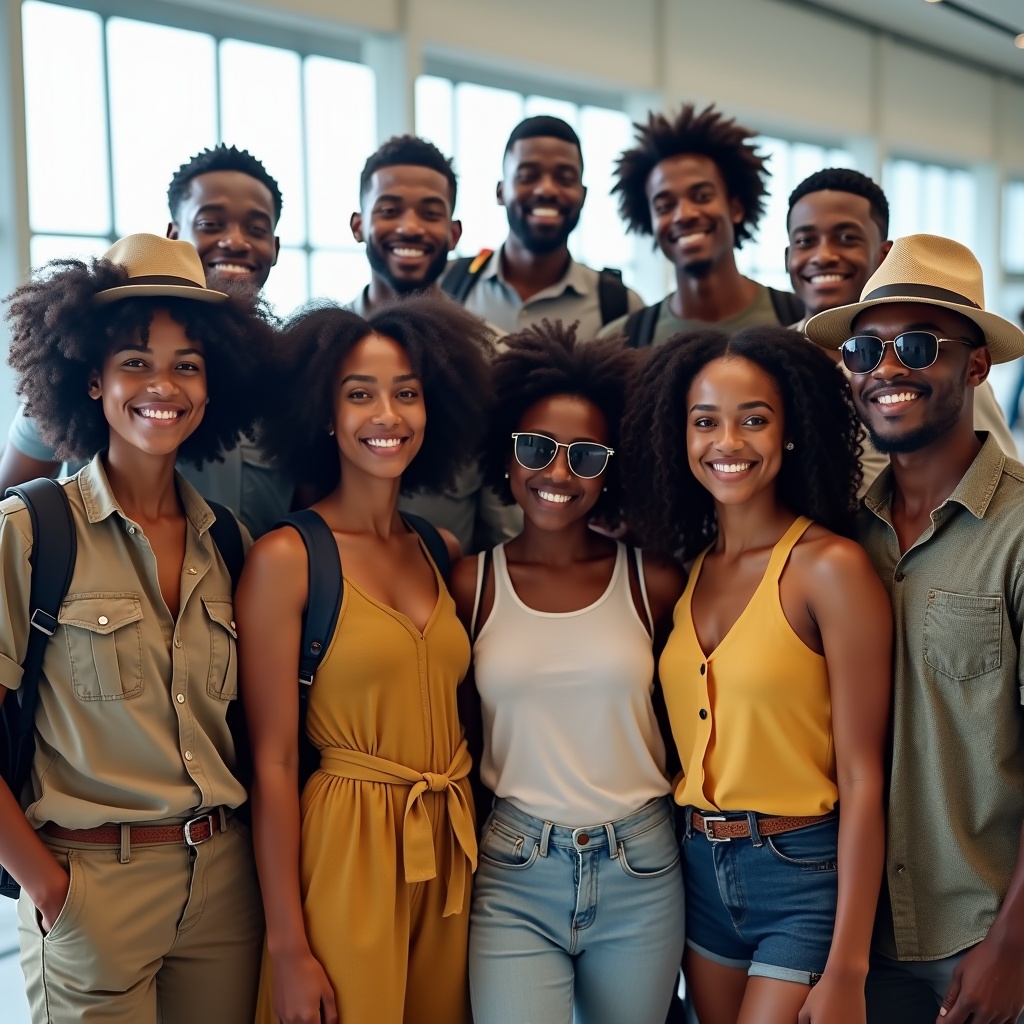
578	640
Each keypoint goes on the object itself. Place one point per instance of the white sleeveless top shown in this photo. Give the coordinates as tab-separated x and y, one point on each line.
569	731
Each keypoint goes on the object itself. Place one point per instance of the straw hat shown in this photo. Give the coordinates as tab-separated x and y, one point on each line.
158	267
931	270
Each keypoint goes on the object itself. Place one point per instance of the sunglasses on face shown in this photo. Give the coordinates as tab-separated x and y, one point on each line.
586	459
916	350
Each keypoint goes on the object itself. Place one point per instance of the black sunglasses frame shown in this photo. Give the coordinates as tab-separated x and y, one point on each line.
609	452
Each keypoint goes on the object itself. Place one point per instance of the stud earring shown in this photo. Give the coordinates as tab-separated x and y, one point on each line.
330	433
506	474
790	446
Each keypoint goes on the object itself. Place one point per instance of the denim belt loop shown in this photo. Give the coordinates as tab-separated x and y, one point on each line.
755	833
545	837
688	822
124	855
613	843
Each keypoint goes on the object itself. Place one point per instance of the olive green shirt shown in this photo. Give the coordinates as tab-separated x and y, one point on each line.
956	796
131	721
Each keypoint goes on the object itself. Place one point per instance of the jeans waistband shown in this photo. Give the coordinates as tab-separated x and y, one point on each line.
605	836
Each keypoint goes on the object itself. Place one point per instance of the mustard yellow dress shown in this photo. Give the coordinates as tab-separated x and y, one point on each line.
388	842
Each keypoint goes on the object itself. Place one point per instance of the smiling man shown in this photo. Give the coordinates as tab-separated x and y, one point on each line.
944	527
697	184
533	276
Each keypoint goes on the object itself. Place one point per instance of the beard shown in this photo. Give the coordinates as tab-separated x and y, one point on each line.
943	418
540	244
698	269
403	285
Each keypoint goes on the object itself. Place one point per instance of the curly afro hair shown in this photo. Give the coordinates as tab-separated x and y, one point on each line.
708	133
670	510
220	158
548	359
61	337
449	349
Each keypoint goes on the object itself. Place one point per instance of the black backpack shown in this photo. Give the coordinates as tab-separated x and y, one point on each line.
462	275
323	605
54	550
640	326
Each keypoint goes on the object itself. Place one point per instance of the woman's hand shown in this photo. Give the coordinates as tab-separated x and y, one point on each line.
838	998
301	990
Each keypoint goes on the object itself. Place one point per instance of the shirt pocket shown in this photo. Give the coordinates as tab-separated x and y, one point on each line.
222	681
104	639
963	634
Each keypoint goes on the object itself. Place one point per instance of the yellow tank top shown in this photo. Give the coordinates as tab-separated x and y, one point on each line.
752	721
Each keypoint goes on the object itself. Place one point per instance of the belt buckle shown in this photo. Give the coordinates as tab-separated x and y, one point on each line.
709	829
189	841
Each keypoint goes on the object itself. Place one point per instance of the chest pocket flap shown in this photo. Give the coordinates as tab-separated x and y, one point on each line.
222	680
104	641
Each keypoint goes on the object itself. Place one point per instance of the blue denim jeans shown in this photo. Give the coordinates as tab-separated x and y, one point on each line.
581	924
766	904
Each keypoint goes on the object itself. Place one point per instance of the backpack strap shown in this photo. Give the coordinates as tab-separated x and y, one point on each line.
787	306
227	537
54	549
462	275
640	326
434	542
612	294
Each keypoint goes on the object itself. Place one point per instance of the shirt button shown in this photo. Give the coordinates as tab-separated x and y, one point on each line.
900	577
191	570
180	698
131	529
177	641
188	755
703	714
703	669
103	620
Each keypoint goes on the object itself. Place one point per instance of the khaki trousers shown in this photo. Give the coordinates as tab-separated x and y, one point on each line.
173	935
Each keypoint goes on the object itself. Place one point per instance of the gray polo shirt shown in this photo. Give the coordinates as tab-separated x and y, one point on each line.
574	297
244	482
956	796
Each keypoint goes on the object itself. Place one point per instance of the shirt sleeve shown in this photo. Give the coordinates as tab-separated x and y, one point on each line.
24	436
16	572
616	326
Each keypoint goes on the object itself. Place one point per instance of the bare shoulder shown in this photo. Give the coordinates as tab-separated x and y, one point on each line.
463	582
451	542
663	576
276	569
828	560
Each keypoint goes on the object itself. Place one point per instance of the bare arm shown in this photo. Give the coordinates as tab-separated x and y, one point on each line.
16	468
860	679
268	607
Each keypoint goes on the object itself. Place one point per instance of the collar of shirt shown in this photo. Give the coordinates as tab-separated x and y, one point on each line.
576	277
100	501
974	492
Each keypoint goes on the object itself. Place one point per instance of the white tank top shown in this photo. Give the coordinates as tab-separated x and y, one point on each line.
569	731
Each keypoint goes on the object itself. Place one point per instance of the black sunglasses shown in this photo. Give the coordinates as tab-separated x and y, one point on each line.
586	459
916	350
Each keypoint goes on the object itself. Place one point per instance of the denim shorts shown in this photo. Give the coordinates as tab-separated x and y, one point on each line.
766	904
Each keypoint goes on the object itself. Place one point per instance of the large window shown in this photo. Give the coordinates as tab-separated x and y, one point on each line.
114	106
763	257
931	198
1013	229
472	123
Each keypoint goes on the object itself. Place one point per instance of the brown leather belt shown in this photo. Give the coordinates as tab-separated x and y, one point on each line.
720	830
193	832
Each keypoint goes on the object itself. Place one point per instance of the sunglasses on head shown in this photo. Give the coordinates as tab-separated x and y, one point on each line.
916	350
586	459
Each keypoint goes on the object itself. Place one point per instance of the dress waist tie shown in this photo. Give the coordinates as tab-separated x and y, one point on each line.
417	833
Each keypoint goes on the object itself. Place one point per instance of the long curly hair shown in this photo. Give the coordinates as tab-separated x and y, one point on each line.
449	350
670	510
548	359
707	133
60	338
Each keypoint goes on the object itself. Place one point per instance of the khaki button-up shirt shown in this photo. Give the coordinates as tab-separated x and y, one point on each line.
131	721
956	797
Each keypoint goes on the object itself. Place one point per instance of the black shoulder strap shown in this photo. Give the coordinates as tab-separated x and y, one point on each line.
640	326
788	307
228	538
613	296
54	549
434	541
462	274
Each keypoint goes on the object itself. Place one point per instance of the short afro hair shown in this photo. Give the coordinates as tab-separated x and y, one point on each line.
60	338
220	158
411	150
670	510
545	126
449	349
708	133
843	179
544	360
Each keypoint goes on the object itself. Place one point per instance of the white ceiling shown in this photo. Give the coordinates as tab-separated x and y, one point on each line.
936	25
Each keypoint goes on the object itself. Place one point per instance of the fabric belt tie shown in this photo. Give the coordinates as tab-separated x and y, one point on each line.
417	832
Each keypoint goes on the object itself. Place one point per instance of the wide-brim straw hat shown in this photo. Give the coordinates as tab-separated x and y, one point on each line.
926	269
158	267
